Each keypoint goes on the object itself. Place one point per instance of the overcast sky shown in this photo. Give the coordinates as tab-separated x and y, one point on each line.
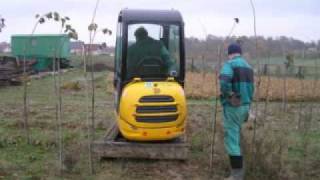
294	18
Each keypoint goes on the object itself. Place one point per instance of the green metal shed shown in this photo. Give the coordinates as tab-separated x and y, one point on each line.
42	48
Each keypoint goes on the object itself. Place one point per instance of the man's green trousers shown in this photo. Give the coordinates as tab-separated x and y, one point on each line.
233	118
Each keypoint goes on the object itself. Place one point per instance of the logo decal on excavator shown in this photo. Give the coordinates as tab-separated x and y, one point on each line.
148	84
156	90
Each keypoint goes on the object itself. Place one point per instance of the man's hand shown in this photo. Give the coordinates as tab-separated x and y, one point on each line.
173	73
234	99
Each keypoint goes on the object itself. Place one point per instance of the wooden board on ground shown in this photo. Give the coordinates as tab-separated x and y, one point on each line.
115	146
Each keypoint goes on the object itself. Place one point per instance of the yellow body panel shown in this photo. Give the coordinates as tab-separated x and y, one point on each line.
133	129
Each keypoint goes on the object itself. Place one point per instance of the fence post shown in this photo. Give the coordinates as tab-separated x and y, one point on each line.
265	69
192	65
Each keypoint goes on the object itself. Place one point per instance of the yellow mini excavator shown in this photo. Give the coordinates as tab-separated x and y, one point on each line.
149	78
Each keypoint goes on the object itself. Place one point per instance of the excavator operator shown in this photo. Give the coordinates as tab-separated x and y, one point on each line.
144	48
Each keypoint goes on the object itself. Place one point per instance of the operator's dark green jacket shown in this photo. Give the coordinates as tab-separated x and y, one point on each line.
147	47
236	76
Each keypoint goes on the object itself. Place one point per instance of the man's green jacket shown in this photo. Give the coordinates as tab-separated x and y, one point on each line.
147	47
237	77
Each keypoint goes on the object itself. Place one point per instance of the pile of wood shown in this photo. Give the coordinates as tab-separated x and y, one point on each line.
11	71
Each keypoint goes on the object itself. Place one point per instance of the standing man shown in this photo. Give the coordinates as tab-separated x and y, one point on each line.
237	87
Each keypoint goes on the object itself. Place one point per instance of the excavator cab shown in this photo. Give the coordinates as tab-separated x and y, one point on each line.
149	75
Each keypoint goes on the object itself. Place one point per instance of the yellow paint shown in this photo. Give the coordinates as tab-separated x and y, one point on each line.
142	131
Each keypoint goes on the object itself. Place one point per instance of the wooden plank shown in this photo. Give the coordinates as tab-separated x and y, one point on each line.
169	151
113	146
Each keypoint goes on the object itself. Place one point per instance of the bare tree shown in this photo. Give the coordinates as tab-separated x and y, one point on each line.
66	28
253	151
214	119
93	29
2	23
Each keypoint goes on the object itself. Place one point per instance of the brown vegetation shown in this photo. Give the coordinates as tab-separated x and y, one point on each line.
201	86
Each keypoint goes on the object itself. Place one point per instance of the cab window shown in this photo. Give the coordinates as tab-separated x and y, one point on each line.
152	50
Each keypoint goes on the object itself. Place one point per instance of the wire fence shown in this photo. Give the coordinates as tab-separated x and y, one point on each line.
299	71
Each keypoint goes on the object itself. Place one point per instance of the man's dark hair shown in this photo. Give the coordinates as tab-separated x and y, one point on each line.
234	48
141	33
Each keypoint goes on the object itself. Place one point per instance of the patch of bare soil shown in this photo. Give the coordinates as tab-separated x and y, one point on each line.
196	167
99	67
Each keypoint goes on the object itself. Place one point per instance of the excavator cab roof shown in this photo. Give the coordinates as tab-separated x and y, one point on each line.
135	15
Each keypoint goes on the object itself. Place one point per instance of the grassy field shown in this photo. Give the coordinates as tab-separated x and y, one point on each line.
285	147
43	124
282	60
40	158
272	60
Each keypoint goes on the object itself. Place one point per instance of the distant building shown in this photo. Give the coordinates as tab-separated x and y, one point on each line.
5	47
312	49
76	47
95	49
100	49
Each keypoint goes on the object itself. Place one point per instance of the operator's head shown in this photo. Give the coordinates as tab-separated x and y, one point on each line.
141	33
234	50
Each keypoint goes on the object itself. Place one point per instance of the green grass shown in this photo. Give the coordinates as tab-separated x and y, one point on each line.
19	160
297	150
40	157
77	60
